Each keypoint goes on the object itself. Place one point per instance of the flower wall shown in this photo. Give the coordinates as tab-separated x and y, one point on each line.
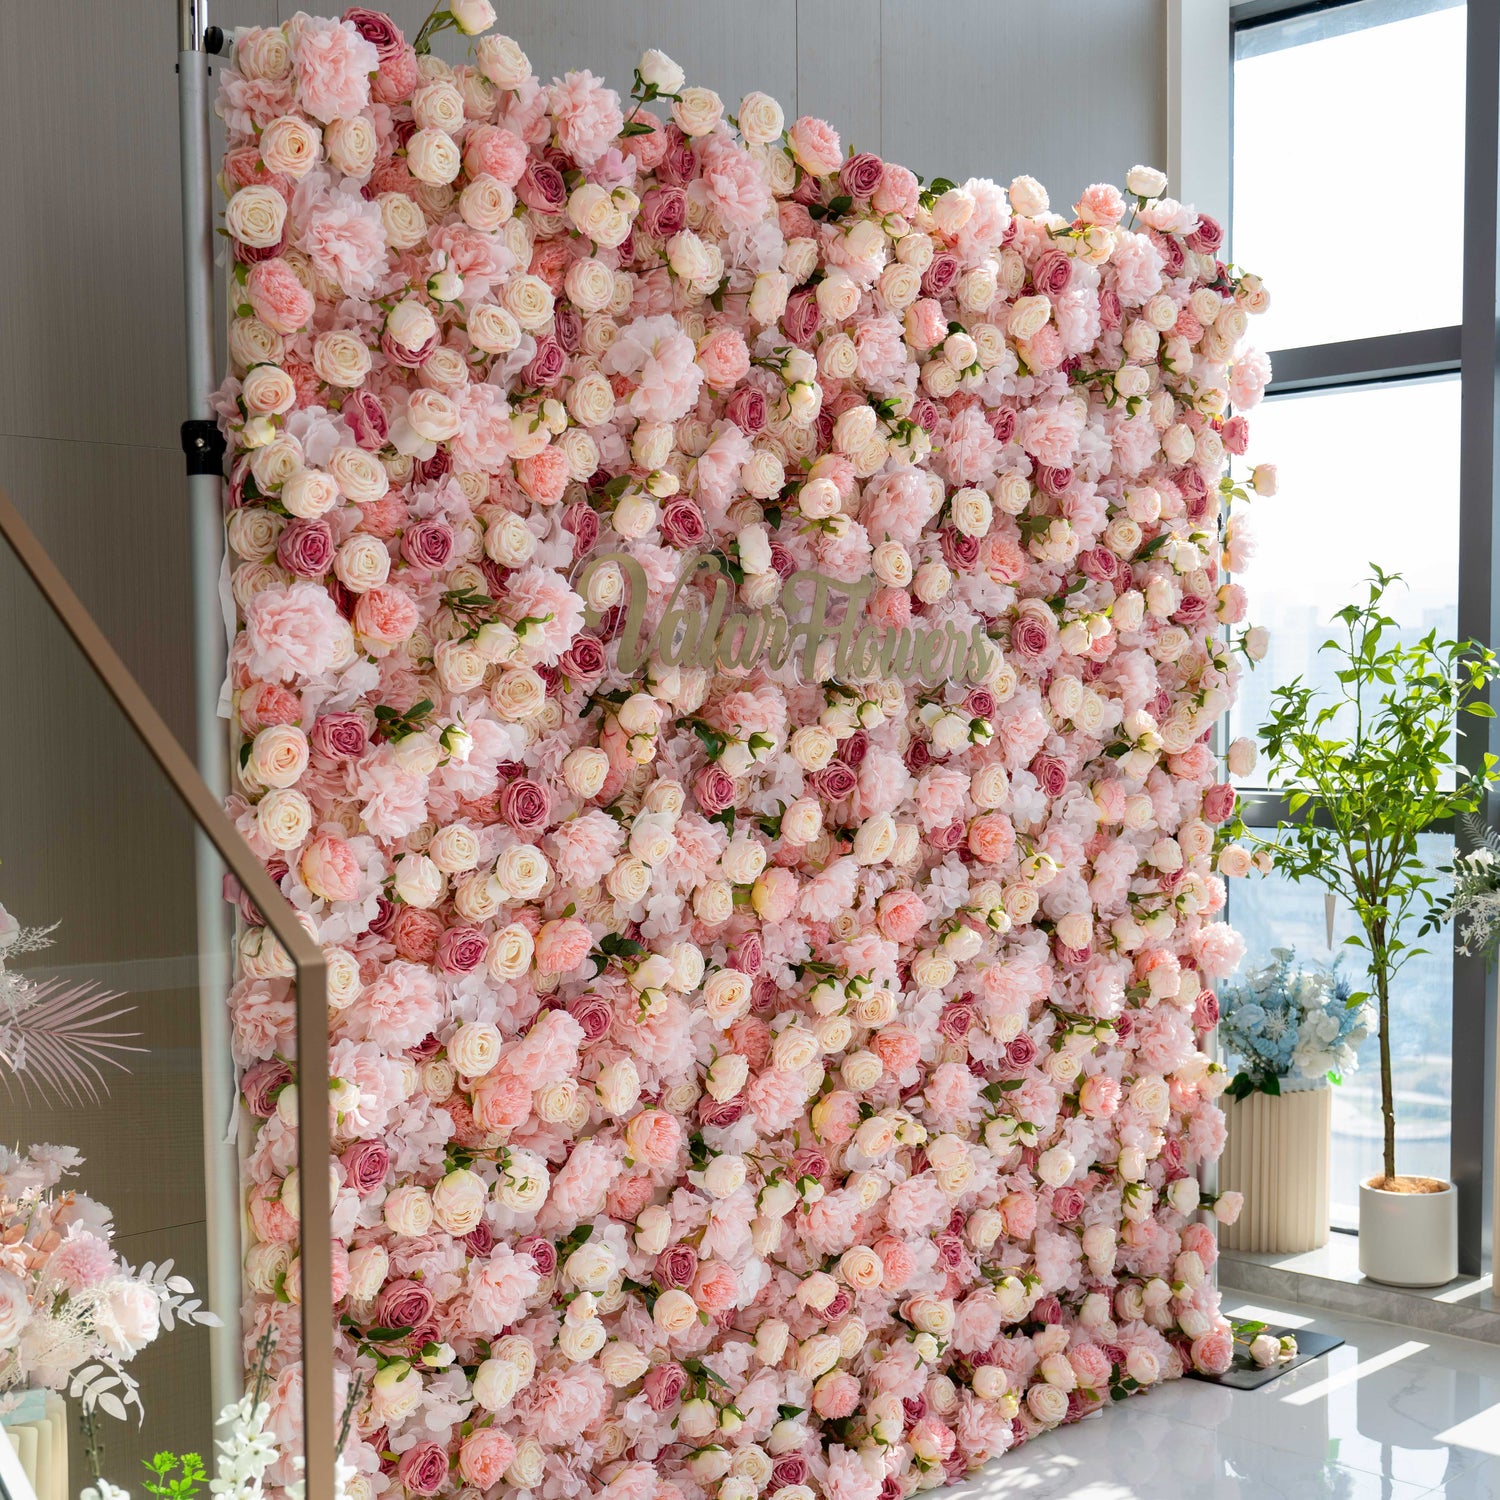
779	1082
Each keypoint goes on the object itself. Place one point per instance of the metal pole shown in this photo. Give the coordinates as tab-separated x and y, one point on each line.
204	449
220	1159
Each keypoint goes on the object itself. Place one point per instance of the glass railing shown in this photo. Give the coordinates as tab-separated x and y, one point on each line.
121	1131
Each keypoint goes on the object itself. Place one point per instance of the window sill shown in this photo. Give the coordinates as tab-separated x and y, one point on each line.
1329	1278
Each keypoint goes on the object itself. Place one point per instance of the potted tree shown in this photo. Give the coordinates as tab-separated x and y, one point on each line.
1370	767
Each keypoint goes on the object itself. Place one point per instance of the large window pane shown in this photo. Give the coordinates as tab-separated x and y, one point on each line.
1349	122
1367	475
1274	912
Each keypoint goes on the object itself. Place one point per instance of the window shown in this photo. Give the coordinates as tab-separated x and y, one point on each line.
1356	112
1378	452
1353	112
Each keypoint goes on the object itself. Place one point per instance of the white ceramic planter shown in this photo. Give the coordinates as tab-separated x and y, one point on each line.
1277	1155
1408	1239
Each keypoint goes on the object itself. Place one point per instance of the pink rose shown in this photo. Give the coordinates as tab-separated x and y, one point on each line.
714	788
861	174
526	805
664	1385
484	1456
330	869
424	1468
339	737
676	1266
461	950
1212	1353
366	1164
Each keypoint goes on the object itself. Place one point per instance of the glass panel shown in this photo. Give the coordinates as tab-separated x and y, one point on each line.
1274	912
1352	117
96	846
1354	465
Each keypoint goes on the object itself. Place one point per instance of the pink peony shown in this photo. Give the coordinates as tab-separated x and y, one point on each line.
333	66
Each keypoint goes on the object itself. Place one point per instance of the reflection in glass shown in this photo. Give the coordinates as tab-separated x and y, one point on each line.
1352	116
1366	474
93	838
1273	912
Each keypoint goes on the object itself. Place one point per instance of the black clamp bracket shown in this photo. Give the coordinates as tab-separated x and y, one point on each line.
203	446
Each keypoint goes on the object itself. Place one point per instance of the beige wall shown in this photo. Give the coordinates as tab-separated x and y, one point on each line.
91	385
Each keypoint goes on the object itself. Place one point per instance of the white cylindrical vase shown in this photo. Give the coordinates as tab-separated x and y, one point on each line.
1277	1156
1408	1239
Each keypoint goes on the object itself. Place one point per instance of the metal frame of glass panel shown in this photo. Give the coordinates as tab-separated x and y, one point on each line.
314	1142
1472	350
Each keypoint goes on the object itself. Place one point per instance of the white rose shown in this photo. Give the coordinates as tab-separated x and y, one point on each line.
697	111
1145	182
433	156
761	119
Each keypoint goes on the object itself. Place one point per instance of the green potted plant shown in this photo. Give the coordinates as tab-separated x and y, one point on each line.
1369	768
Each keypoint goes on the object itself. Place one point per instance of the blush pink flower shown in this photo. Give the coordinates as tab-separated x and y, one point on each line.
333	64
586	116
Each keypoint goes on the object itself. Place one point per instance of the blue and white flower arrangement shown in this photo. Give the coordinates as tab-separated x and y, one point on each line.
1291	1026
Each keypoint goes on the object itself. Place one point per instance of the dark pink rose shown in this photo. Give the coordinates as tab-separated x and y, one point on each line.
924	413
1048	1310
953	836
955	1020
480	1239
1029	635
542	1251
843	1300
584	660
1206	1011
1172	253
1192	611
860	175
1067	1204
800	320
783	564
378	29
854	749
1051	773
366	418
663	212
567	327
592	1012
676	1266
747	409
834	781
808	1161
546	365
918	754
383	923
1097	563
950	1249
941	273
306	548
789	1470
1236	435
748	954
682	523
714	788
1208	236
1052	273
262	1082
1109	309
403	1304
980	703
679	164
424	1469
339	736
582	520
428	469
1053	481
717	1112
461	950
1020	1051
1003	423
1218	802
427	544
526	805
365	1165
1124	1024
664	1384
542	187
960	552
408	359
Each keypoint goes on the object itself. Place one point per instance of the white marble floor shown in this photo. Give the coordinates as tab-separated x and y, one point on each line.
1393	1414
